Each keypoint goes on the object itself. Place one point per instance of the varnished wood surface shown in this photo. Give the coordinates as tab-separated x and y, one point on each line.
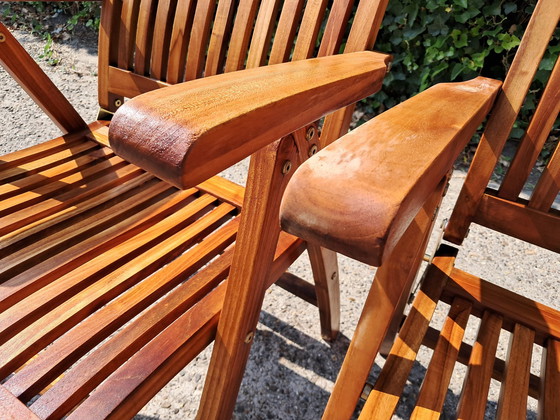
209	134
367	224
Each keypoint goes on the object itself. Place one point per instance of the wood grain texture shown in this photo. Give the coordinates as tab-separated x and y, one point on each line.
367	224
209	134
19	64
285	32
14	409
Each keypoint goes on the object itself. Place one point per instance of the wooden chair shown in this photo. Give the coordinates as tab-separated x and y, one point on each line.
396	165
112	278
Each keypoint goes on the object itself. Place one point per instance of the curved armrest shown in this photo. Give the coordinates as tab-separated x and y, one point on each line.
358	195
188	132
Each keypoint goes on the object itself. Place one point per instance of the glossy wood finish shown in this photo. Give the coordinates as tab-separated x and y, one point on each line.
317	206
209	135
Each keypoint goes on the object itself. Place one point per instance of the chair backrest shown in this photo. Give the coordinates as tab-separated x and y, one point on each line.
146	44
502	209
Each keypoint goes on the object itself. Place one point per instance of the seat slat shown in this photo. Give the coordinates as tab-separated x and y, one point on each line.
88	373
70	347
384	397
434	388
241	34
260	43
549	403
180	37
548	186
286	31
144	36
532	142
71	310
472	403
199	38
515	387
12	408
309	29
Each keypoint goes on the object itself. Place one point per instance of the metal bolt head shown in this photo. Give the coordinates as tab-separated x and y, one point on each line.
2	37
312	150
118	102
287	167
310	133
249	337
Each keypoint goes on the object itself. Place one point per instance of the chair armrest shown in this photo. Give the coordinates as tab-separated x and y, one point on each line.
188	132
358	195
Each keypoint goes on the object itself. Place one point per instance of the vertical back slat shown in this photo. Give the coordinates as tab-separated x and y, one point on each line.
162	35
286	31
260	43
548	187
179	40
336	25
241	34
199	38
549	403
309	29
127	33
472	403
521	73
534	139
515	387
219	38
108	50
144	36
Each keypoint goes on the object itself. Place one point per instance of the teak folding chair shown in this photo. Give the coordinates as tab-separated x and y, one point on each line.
112	278
372	196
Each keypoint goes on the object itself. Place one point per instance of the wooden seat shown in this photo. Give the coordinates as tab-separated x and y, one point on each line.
111	278
381	210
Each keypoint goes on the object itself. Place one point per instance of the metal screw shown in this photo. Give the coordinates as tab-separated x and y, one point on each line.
312	150
287	167
310	133
118	102
2	37
249	337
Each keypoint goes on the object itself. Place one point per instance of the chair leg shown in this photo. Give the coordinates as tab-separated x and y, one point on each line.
325	273
392	280
246	285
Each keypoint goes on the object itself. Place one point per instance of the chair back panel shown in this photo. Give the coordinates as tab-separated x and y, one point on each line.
145	44
533	220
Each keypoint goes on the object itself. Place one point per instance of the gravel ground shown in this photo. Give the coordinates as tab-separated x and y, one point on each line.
291	371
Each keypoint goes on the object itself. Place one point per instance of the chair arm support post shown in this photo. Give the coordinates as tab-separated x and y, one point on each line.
358	195
188	132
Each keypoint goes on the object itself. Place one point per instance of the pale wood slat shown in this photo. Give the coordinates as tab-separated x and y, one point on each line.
180	37
436	381
127	33
71	346
12	408
474	394
532	142
219	39
101	134
286	31
144	37
384	398
539	30
548	186
66	200
70	312
154	365
336	25
518	220
549	403
260	43
34	181
309	29
88	373
199	38
515	387
58	187
162	34
241	34
84	234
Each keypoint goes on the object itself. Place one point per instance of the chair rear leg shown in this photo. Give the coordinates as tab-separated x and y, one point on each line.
325	274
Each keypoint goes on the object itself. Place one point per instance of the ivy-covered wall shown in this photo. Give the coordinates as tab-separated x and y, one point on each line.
450	40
